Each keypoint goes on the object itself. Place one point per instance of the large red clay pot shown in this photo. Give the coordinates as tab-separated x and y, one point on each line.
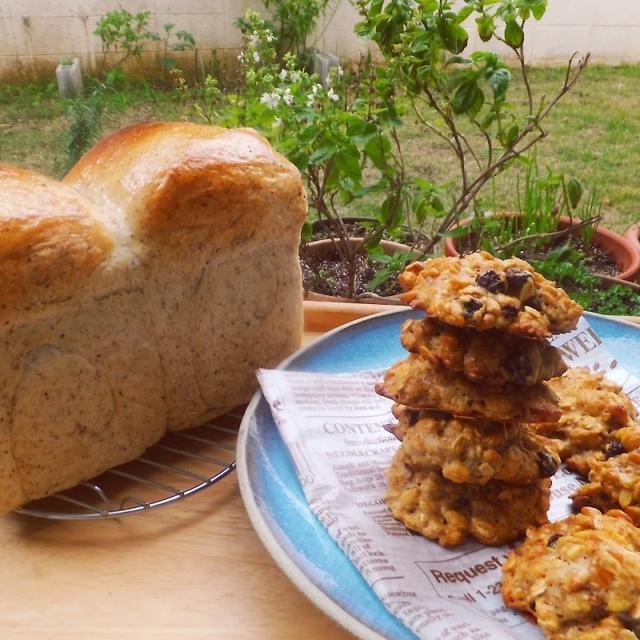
620	248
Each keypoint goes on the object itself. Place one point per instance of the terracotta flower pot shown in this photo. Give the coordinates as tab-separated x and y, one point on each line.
326	248
632	234
620	248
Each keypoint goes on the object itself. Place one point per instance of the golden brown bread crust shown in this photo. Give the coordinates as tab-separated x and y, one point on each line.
157	278
235	207
166	167
51	242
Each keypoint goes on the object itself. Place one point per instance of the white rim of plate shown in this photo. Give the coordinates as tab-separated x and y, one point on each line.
259	523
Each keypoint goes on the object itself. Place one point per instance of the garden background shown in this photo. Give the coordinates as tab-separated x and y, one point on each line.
212	62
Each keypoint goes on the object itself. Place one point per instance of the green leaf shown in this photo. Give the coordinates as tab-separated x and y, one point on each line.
381	277
574	191
464	13
538	9
458	60
377	149
377	253
499	82
486	26
321	154
513	34
454	37
509	135
477	103
348	161
465	97
374	240
307	134
307	232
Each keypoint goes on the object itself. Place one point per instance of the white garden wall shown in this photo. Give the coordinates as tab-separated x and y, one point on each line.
36	34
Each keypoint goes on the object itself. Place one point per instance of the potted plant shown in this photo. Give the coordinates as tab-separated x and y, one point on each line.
464	98
549	211
342	135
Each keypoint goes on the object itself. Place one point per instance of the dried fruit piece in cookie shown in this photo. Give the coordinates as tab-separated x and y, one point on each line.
417	383
441	510
474	451
492	357
483	292
613	484
580	574
598	419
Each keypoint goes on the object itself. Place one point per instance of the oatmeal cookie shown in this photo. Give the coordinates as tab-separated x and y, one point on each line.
441	510
491	357
598	420
474	451
419	384
613	484
483	292
609	628
579	577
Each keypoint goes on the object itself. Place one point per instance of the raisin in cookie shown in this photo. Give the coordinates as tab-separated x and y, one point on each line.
613	484
483	292
441	510
579	577
419	384
474	451
598	419
492	356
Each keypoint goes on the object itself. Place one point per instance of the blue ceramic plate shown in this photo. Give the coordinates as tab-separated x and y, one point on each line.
274	498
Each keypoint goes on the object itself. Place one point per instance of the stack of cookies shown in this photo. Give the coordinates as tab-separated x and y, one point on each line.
468	464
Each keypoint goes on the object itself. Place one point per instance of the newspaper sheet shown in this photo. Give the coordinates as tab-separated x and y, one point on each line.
333	426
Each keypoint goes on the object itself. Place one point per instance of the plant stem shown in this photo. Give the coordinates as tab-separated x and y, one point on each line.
552	235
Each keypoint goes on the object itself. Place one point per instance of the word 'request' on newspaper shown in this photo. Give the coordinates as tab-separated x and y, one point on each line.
333	426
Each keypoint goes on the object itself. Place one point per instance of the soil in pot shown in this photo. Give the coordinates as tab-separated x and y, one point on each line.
356	228
326	272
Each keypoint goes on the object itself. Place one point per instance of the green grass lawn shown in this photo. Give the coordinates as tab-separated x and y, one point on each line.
593	134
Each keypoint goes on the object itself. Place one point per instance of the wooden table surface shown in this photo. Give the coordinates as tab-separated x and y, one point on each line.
192	570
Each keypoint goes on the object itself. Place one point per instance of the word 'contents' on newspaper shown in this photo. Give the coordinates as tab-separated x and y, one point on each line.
334	428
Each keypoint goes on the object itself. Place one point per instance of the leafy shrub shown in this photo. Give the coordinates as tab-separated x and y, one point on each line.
291	23
464	99
122	31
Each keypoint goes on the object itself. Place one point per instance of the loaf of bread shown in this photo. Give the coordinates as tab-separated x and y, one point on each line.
139	296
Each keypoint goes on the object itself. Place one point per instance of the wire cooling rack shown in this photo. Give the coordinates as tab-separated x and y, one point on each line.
182	464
